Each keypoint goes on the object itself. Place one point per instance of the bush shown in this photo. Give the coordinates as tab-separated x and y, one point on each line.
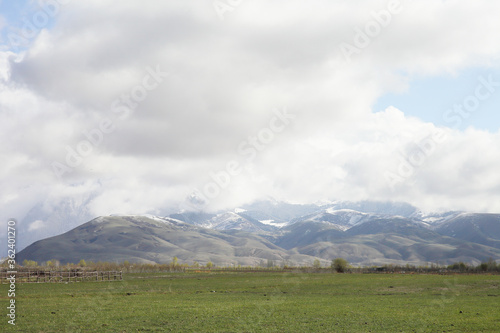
340	265
29	263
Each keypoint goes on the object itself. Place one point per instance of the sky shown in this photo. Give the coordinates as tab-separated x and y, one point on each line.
149	107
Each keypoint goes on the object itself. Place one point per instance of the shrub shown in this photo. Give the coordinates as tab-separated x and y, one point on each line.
340	265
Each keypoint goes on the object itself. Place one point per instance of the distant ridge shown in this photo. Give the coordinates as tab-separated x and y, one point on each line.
253	234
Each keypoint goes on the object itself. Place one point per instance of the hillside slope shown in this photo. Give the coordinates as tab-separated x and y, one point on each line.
357	237
147	239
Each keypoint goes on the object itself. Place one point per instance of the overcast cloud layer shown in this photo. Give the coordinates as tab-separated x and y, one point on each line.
205	89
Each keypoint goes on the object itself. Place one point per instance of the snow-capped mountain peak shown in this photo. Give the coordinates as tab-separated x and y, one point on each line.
343	218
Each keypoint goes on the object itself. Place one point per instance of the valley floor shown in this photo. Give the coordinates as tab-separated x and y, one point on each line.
260	302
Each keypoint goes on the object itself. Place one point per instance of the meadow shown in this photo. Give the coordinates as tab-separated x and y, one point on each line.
260	302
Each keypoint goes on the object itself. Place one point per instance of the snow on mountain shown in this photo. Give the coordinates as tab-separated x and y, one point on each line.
148	220
266	214
167	220
349	216
343	219
234	221
434	220
274	223
377	207
280	212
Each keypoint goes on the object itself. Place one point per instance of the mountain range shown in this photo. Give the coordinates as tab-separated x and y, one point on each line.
365	233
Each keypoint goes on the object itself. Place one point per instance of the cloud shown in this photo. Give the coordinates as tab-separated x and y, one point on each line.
38	224
224	80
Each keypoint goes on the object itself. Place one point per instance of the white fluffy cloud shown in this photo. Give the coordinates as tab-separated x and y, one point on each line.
38	224
224	80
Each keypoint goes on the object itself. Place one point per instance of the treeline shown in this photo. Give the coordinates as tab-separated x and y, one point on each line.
460	267
338	265
124	266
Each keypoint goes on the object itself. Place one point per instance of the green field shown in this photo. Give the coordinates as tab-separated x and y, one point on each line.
261	302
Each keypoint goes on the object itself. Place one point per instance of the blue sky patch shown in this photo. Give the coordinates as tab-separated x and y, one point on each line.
450	100
22	21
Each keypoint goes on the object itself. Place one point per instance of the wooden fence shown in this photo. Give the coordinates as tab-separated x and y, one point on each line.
61	276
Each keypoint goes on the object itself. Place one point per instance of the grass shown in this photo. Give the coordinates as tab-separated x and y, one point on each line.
260	302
